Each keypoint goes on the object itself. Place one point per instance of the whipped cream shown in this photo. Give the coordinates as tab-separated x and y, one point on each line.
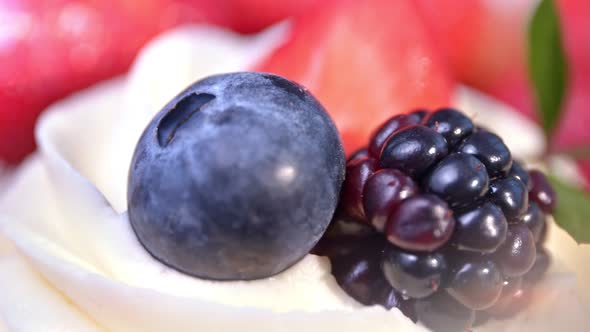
69	260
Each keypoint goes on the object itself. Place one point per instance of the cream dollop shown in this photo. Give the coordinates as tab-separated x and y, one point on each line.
69	260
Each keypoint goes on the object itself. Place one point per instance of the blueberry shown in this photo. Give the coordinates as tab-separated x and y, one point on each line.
481	229
442	313
420	223
542	192
517	255
477	284
413	150
534	219
382	133
511	196
236	178
460	179
383	193
491	150
518	172
452	124
351	198
415	275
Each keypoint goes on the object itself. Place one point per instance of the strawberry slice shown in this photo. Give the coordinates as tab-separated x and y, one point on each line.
252	16
365	61
485	44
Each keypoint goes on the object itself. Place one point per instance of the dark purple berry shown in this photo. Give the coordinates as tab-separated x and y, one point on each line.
460	179
419	114
359	274
442	313
534	219
481	229
542	192
511	196
383	192
477	284
420	223
491	150
541	265
517	255
360	153
452	124
413	150
518	172
351	197
389	127
511	299
415	275
342	237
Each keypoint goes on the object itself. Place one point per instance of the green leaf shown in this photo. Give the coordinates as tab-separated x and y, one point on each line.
573	210
547	64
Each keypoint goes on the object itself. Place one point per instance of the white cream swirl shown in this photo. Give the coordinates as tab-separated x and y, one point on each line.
70	262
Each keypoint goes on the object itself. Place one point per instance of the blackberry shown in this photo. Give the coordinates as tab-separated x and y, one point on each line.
413	150
460	179
452	124
383	192
449	227
490	149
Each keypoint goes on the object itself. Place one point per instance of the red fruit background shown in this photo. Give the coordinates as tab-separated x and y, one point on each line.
365	60
361	67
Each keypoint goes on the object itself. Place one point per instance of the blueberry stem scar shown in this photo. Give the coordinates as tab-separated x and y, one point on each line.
180	114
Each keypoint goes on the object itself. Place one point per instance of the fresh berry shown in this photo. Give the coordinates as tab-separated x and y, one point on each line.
520	173
491	150
359	274
541	192
415	275
462	234
236	178
413	150
328	51
541	265
459	178
360	153
389	127
382	194
420	223
481	229
517	254
420	114
534	219
477	284
511	299
452	124
357	172
442	313
511	196
343	237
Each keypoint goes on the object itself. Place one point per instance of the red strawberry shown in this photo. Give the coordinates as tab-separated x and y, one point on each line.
252	16
485	44
49	49
365	61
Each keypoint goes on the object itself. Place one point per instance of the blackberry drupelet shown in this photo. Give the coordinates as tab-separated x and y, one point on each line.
457	225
